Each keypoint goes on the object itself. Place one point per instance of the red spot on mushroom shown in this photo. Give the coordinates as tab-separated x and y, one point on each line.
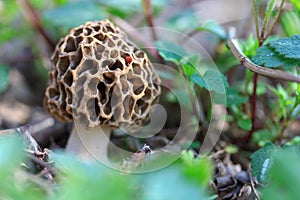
128	60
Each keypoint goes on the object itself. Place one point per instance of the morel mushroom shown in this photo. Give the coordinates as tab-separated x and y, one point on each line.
99	78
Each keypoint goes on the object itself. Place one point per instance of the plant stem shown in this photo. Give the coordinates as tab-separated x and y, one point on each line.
275	20
255	18
149	17
261	39
253	106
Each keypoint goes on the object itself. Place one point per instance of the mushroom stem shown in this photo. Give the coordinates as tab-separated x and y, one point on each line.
89	144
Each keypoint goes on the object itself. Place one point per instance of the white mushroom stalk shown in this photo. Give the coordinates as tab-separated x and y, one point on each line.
89	144
100	80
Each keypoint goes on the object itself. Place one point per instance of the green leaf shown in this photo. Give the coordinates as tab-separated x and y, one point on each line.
169	183
234	98
4	77
189	64
184	20
296	4
288	47
211	81
215	81
90	181
199	170
245	123
11	155
170	51
294	141
261	137
285	177
290	21
196	78
74	14
261	162
214	27
270	58
249	46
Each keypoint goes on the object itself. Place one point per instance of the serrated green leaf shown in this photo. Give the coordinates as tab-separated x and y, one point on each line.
245	123
215	81
74	14
234	98
4	77
261	162
269	58
211	81
170	51
214	27
196	78
288	47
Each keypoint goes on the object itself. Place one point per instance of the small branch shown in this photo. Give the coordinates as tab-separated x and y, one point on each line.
275	20
35	21
50	171
149	17
245	61
33	145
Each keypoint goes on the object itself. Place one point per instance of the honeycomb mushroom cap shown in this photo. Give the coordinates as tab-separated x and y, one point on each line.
100	77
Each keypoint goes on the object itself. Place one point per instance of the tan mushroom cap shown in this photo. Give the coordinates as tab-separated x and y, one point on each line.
101	77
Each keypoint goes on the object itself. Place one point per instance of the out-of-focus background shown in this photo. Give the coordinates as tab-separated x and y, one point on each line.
29	31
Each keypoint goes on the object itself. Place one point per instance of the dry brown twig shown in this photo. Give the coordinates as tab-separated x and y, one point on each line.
35	154
245	61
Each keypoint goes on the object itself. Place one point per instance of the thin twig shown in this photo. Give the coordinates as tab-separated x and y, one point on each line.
245	61
35	21
149	16
275	20
33	145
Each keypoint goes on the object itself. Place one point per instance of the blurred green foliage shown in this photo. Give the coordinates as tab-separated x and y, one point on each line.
187	178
